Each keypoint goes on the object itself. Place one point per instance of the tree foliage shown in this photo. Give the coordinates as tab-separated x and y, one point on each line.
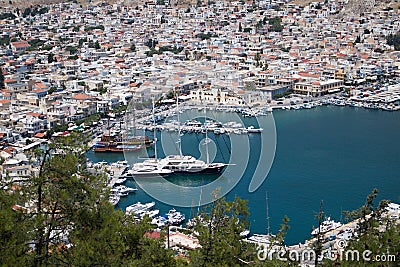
50	58
97	45
219	236
162	49
4	40
394	39
1	78
276	24
67	219
91	28
375	232
34	11
7	15
71	49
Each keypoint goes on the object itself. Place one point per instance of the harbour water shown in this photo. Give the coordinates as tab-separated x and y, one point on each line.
334	154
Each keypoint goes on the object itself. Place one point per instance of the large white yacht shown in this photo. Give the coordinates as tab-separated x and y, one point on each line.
181	163
148	169
174	163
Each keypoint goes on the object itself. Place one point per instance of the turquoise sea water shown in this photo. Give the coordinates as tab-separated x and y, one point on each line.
334	154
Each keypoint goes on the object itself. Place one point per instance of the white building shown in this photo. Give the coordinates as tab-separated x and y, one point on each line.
216	96
318	88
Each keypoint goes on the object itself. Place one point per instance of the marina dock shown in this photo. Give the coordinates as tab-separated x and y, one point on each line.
116	172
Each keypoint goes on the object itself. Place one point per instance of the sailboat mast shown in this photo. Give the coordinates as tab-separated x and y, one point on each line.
206	141
201	197
179	123
155	132
134	122
108	125
268	226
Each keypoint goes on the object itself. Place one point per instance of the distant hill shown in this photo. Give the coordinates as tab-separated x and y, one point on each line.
303	2
25	3
358	5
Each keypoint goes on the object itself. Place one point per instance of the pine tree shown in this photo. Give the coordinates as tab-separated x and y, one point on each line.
1	78
70	220
97	45
219	238
14	226
376	232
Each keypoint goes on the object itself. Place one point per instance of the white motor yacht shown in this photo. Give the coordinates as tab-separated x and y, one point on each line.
174	217
189	164
147	169
122	190
252	129
181	163
120	181
114	199
160	221
138	207
326	226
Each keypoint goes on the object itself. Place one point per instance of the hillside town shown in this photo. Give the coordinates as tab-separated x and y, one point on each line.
64	62
77	67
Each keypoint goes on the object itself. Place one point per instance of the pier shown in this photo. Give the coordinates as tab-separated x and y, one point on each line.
335	239
115	173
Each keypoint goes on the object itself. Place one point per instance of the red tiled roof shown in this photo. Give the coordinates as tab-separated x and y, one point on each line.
9	81
82	97
38	91
153	235
34	114
40	135
133	84
9	149
20	44
40	85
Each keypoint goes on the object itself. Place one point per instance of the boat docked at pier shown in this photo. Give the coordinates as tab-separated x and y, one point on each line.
174	163
182	164
114	199
119	143
122	190
173	217
267	238
142	170
326	226
139	207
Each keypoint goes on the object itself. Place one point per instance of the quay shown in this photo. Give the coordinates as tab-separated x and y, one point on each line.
335	239
173	127
114	171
